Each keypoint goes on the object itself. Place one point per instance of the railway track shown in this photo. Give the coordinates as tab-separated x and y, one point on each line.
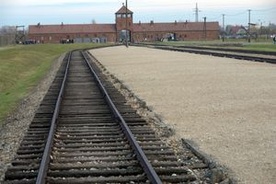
84	132
258	56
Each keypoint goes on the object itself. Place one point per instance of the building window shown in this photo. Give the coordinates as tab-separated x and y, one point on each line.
119	15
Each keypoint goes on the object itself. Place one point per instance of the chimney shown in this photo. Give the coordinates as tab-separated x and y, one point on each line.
151	22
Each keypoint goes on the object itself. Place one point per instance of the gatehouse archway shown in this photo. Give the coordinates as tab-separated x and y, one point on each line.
124	35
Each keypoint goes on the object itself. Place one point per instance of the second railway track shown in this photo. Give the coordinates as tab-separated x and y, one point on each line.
250	55
91	142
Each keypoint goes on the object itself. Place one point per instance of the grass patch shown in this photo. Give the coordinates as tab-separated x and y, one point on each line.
22	67
269	47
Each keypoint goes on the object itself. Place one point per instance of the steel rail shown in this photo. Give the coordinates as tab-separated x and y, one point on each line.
229	50
218	49
152	175
44	164
225	54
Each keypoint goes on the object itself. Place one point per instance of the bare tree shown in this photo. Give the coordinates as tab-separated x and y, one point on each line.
7	35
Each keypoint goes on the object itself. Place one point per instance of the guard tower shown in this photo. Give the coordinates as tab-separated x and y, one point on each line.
124	24
20	34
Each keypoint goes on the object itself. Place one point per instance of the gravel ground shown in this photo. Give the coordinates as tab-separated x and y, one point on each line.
15	126
226	107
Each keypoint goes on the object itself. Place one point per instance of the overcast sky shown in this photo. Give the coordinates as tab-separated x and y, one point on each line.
27	12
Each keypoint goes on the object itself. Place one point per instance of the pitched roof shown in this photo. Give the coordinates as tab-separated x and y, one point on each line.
123	10
174	26
72	28
235	29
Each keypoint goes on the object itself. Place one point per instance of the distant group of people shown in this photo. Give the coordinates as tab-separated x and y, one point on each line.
63	41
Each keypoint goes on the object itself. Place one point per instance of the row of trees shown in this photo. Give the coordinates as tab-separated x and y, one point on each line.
256	31
12	35
7	35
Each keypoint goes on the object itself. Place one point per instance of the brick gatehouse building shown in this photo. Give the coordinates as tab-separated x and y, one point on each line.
137	32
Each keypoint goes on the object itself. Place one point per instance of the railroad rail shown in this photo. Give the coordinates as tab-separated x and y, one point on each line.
84	132
258	56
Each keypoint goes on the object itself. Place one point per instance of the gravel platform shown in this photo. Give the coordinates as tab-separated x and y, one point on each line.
226	107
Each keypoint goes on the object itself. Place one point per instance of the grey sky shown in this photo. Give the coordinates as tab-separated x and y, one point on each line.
18	12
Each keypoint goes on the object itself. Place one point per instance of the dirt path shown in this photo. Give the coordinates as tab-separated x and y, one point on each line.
225	106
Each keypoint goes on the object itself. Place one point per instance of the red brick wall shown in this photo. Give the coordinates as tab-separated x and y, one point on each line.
56	38
181	36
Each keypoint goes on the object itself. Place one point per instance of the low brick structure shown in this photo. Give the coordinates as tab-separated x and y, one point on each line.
136	32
